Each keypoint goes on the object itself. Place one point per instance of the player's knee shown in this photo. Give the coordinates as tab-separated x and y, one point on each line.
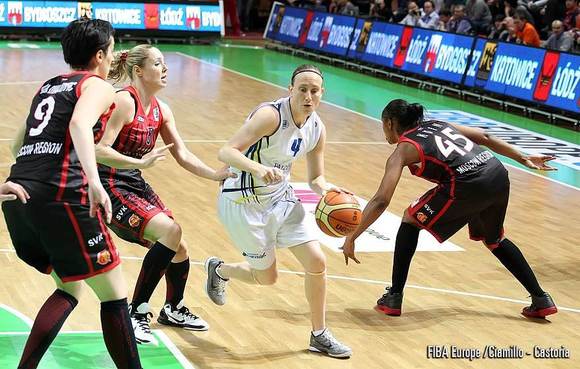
172	236
265	277
72	288
317	264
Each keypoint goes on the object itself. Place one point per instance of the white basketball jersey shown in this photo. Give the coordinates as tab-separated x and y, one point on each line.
279	150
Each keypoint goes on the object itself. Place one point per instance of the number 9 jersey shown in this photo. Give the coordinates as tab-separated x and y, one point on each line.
47	154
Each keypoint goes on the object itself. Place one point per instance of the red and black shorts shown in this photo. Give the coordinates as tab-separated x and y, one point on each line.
60	236
443	215
134	205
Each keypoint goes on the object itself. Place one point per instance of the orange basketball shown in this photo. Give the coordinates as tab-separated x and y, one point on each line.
338	214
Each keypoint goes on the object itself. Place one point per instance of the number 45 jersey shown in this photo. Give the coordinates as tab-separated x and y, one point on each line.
47	154
450	159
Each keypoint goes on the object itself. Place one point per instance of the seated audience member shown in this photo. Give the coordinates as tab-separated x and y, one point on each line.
526	33
444	17
429	17
460	23
413	15
559	39
479	15
572	16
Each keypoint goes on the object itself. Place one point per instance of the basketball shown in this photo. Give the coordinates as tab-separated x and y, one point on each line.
338	214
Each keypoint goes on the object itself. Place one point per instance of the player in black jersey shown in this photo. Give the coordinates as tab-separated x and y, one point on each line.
472	188
60	228
140	216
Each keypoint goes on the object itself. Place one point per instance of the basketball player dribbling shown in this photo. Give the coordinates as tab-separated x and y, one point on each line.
259	208
60	229
139	214
472	188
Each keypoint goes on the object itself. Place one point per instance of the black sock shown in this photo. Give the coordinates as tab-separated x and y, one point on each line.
405	246
47	324
118	334
511	257
176	278
153	268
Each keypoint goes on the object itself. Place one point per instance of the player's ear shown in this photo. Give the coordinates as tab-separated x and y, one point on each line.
138	71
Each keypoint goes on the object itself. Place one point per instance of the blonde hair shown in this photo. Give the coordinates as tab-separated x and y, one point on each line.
125	60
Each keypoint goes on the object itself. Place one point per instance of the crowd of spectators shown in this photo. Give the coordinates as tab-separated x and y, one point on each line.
553	24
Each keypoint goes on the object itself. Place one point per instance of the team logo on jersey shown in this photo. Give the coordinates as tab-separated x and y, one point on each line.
134	221
104	257
156	113
421	217
140	118
284	124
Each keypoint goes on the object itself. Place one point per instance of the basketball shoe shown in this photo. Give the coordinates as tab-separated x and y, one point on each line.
541	307
180	316
215	286
390	303
325	343
140	319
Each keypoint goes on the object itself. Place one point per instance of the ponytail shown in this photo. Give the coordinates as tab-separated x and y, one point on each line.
405	115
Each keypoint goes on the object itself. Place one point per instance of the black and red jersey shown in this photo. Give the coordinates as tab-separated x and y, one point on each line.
450	159
138	138
47	154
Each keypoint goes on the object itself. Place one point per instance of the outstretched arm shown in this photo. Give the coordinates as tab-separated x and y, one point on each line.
185	158
403	155
480	137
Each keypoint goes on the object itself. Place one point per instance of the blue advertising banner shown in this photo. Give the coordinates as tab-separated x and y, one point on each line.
138	16
515	70
330	33
438	54
382	42
291	25
550	78
37	13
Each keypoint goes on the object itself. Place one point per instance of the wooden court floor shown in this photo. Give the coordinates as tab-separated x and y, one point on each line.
466	299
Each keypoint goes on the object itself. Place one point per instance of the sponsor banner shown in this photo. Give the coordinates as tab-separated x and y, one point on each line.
561	81
37	13
274	21
290	25
57	14
379	42
379	237
514	70
181	17
566	153
436	54
330	33
359	38
481	61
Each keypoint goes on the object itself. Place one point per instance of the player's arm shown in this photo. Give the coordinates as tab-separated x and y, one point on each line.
405	154
182	155
11	191
18	140
122	114
481	137
315	163
263	122
96	98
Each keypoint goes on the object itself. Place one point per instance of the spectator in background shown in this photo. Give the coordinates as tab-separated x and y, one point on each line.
559	39
460	23
231	12
438	5
345	7
510	34
554	10
444	17
333	6
429	17
525	31
479	15
572	16
380	10
497	28
413	15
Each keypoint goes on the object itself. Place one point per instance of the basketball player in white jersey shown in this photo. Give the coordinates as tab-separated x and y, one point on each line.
259	208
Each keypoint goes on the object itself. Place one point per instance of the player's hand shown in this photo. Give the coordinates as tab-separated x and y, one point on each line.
538	162
270	175
151	158
224	173
348	250
99	197
338	189
11	191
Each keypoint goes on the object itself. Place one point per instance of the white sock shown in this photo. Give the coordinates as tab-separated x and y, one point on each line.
318	332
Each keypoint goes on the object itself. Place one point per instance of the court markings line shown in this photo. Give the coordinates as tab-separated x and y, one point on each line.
347	109
374	281
17	313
